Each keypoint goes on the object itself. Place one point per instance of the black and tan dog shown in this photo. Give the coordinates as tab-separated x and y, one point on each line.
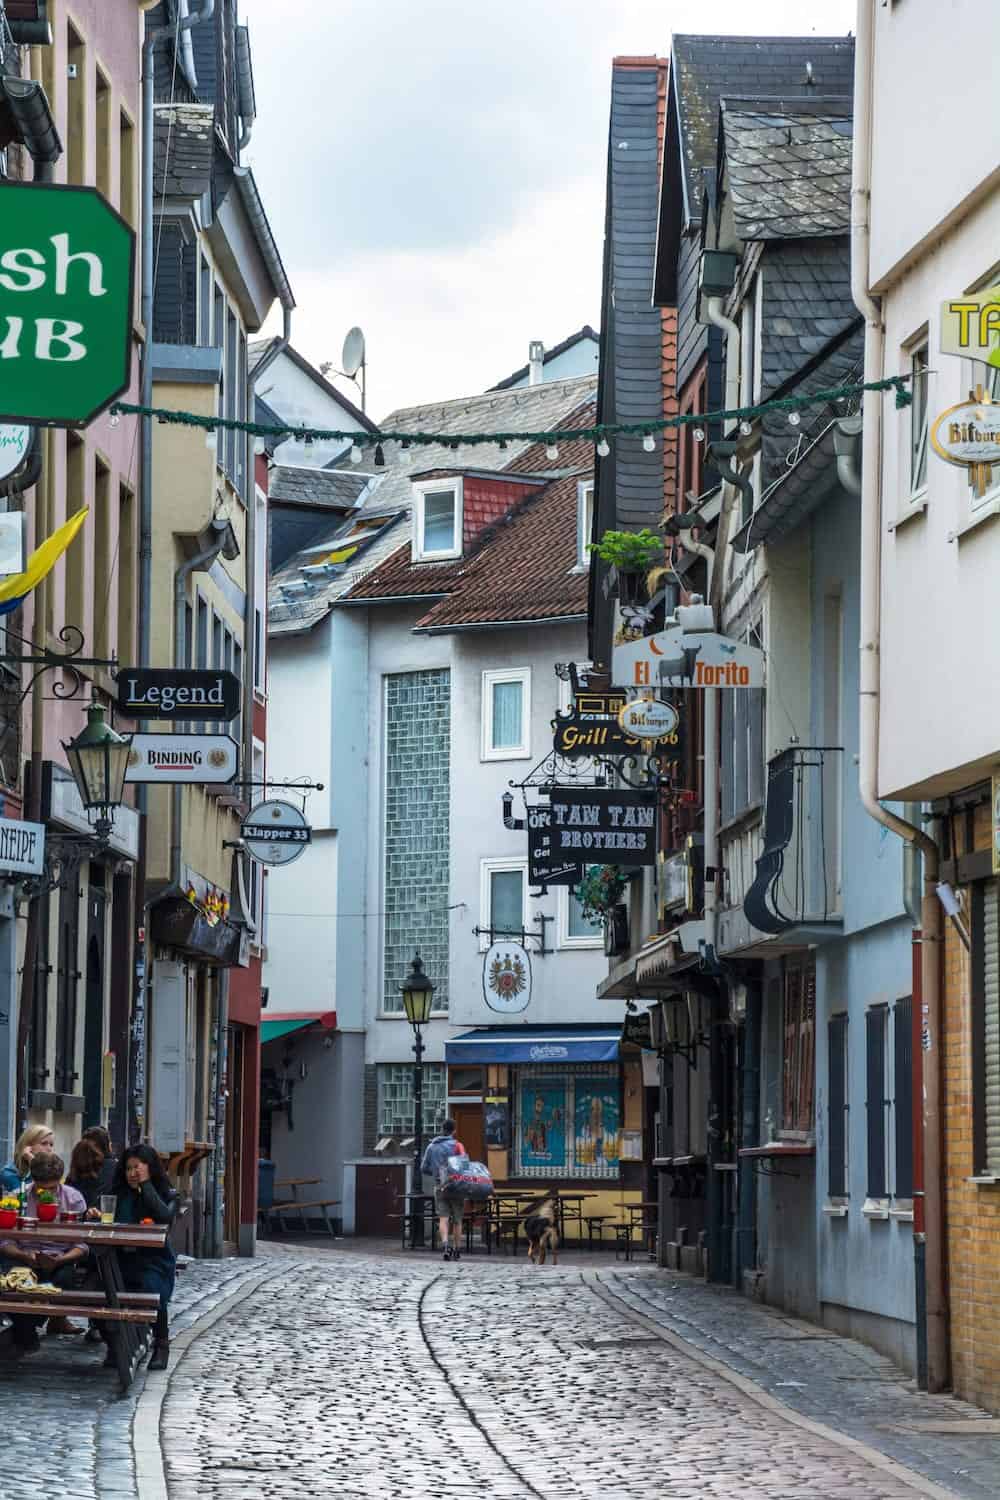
541	1228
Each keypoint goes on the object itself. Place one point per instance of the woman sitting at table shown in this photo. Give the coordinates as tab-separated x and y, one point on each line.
16	1174
52	1262
145	1196
85	1167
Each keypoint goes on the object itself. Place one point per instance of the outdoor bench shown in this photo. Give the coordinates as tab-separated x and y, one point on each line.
134	1308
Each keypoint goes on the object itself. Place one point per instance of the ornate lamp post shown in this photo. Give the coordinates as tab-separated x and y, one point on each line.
98	758
418	992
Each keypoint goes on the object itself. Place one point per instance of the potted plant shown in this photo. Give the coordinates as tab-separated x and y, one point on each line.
9	1205
631	554
48	1205
600	891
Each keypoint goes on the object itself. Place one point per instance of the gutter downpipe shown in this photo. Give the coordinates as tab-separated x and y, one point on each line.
929	1209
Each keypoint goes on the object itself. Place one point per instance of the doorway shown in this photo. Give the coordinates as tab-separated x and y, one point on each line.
469	1128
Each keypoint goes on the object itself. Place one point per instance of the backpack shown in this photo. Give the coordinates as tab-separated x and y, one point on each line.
458	1177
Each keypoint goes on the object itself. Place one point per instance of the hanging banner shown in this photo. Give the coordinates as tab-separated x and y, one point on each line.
677	658
544	868
507	978
598	826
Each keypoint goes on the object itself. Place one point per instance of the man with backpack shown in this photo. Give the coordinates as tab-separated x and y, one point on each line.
448	1208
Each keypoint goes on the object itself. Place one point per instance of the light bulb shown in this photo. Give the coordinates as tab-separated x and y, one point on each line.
259	446
115	421
649	443
794	419
210	439
355	454
746	428
552	451
699	434
603	448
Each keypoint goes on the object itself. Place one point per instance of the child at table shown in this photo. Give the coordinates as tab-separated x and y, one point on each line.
57	1263
144	1194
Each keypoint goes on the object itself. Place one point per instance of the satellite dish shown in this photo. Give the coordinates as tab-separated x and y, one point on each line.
353	356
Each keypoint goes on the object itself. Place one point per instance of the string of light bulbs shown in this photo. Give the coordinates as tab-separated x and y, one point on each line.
600	434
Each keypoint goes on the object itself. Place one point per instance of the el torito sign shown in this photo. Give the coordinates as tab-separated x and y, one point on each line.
67	267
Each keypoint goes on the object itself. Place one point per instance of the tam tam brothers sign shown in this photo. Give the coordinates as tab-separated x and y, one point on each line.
596	826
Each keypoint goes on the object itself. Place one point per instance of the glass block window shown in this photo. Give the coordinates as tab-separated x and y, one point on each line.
395	1099
416	830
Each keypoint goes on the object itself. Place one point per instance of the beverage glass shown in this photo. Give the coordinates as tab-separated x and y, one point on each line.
108	1204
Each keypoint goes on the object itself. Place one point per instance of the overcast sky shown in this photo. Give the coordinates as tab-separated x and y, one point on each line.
435	172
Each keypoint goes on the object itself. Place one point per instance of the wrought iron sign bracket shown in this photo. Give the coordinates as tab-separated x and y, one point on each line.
43	659
64	854
495	935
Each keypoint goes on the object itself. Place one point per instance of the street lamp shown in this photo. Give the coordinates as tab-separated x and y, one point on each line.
418	992
98	759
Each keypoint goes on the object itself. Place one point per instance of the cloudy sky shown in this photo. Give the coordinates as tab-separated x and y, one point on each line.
435	172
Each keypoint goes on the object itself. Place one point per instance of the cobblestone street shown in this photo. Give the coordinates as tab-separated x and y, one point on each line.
312	1372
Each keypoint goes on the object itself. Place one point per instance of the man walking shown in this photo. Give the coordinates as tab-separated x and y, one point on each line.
449	1210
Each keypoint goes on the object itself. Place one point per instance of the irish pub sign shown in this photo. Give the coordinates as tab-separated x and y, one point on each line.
67	263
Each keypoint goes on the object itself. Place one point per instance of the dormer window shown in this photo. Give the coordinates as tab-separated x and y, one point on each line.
437	530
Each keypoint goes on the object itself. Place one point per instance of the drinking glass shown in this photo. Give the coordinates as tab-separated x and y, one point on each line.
108	1203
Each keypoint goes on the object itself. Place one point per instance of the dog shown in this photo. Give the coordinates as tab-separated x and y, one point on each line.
541	1229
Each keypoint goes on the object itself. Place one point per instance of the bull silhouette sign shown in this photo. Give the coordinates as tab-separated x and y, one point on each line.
678	658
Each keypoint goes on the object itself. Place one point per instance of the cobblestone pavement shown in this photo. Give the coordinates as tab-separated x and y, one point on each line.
351	1373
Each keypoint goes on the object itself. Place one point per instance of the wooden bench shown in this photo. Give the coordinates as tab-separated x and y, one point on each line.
296	1205
134	1308
646	1229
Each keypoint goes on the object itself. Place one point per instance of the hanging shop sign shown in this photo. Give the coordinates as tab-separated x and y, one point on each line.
544	866
507	978
276	832
163	693
11	543
67	267
677	658
970	326
598	705
605	827
578	738
195	759
968	435
22	847
650	719
14	445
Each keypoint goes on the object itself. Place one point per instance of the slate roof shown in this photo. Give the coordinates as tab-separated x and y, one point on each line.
183	149
706	68
788	171
297	484
556	403
586	332
806	302
841	364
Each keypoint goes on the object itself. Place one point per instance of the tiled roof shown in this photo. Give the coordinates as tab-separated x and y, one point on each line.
708	67
586	332
294	614
183	149
789	171
328	488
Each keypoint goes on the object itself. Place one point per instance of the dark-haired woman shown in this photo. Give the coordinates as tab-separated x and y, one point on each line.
85	1171
98	1136
144	1192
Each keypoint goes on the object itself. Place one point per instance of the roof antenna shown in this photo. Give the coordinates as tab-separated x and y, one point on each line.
810	80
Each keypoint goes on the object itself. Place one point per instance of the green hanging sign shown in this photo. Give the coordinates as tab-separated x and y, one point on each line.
67	267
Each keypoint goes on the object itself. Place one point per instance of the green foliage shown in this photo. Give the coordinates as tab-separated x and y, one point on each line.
601	888
629	551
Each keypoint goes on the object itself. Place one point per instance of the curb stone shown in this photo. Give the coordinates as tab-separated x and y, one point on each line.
749	1388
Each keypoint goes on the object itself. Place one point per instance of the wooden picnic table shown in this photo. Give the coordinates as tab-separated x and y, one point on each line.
123	1312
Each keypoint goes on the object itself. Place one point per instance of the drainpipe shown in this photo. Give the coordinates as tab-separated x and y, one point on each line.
715	315
930	1232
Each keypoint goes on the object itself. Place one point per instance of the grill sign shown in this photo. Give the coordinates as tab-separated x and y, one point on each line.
180	758
162	693
577	738
602	827
276	833
544	867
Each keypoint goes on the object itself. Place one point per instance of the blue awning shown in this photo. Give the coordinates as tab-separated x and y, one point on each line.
534	1044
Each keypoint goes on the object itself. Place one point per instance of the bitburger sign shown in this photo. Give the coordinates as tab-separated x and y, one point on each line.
596	826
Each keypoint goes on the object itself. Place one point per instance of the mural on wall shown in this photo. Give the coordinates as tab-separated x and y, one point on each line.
596	1122
543	1127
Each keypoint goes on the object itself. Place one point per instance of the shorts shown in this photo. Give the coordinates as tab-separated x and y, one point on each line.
452	1207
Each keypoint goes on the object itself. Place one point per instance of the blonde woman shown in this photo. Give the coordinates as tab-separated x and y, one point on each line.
36	1138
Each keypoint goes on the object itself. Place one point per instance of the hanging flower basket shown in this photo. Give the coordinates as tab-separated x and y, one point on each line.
601	889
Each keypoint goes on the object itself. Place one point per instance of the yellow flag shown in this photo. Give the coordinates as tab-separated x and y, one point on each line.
41	562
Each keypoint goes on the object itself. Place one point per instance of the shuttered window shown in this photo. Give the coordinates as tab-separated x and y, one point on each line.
902	1039
838	1106
799	1047
876	1026
986	1026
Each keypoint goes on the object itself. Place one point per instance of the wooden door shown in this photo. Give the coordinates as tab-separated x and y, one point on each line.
377	1195
469	1128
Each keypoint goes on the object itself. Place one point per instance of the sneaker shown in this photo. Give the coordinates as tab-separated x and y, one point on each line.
447	1254
456	1255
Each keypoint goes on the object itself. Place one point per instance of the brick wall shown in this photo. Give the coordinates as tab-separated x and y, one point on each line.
972	1212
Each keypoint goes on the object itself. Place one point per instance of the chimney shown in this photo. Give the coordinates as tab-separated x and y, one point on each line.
536	355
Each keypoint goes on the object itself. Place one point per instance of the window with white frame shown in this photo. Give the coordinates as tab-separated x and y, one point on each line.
584	521
503	898
507	714
918	421
437	530
576	930
395	1099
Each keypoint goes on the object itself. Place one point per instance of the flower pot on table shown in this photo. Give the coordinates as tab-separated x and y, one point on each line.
8	1218
48	1213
